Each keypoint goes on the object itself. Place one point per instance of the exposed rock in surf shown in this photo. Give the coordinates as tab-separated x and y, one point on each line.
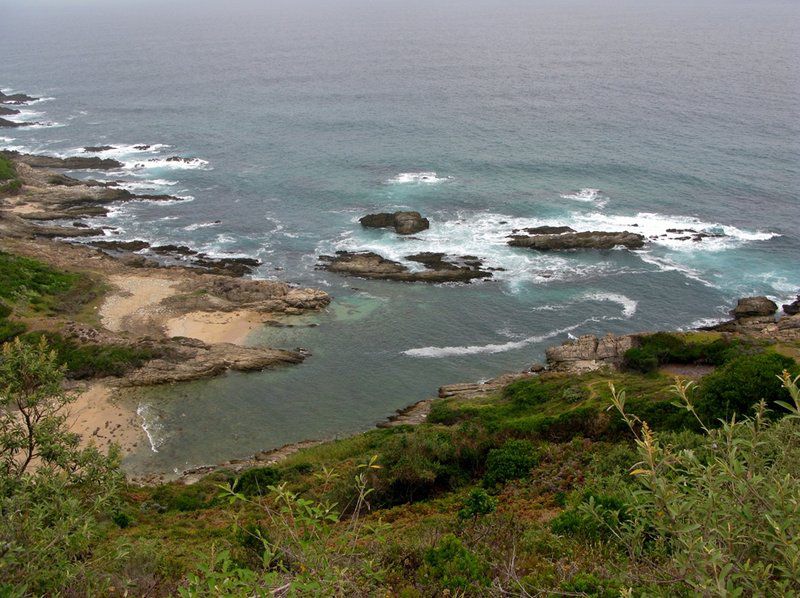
16	98
404	223
70	163
11	124
588	353
793	308
228	266
546	230
93	149
5	110
748	307
573	240
182	250
438	267
135	245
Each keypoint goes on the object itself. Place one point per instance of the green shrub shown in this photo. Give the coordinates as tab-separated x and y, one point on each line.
723	518
10	330
526	393
477	504
641	360
740	384
664	347
452	566
256	481
586	584
89	361
576	522
184	498
511	461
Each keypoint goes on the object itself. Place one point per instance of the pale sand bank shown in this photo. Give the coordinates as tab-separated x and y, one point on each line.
99	421
216	327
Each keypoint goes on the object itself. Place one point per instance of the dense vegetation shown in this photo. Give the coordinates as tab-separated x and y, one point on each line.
559	485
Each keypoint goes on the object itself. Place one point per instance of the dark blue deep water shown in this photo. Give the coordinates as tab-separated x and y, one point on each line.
306	115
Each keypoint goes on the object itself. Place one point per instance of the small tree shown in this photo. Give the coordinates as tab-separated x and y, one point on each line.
52	491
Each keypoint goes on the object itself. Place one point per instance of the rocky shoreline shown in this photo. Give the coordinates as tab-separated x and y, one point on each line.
189	312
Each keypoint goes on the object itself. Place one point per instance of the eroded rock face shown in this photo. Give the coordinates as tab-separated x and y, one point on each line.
589	353
404	223
573	240
438	267
749	307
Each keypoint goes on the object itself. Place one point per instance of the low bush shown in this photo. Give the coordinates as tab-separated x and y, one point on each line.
737	386
577	522
512	461
451	566
526	393
477	504
90	361
256	481
664	347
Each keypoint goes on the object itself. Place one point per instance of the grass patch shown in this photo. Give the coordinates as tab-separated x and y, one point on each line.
9	181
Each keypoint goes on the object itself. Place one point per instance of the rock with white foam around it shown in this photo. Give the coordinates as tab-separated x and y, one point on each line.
572	240
404	223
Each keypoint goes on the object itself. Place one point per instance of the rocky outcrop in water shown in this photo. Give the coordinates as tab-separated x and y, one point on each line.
93	149
70	163
5	110
438	267
11	124
793	308
588	353
572	240
16	98
404	223
750	307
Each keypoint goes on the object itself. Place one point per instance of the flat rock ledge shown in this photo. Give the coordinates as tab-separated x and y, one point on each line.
403	223
438	267
569	239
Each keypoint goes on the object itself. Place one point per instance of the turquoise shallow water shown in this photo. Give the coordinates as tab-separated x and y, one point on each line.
305	116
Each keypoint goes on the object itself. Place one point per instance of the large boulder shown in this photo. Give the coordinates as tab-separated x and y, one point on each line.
404	223
750	307
572	240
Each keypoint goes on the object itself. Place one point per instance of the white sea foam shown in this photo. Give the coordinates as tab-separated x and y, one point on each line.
152	428
628	304
121	150
703	323
146	185
167	164
587	195
418	178
439	352
45	125
198	225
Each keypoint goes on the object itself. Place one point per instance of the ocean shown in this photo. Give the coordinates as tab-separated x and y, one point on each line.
484	116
